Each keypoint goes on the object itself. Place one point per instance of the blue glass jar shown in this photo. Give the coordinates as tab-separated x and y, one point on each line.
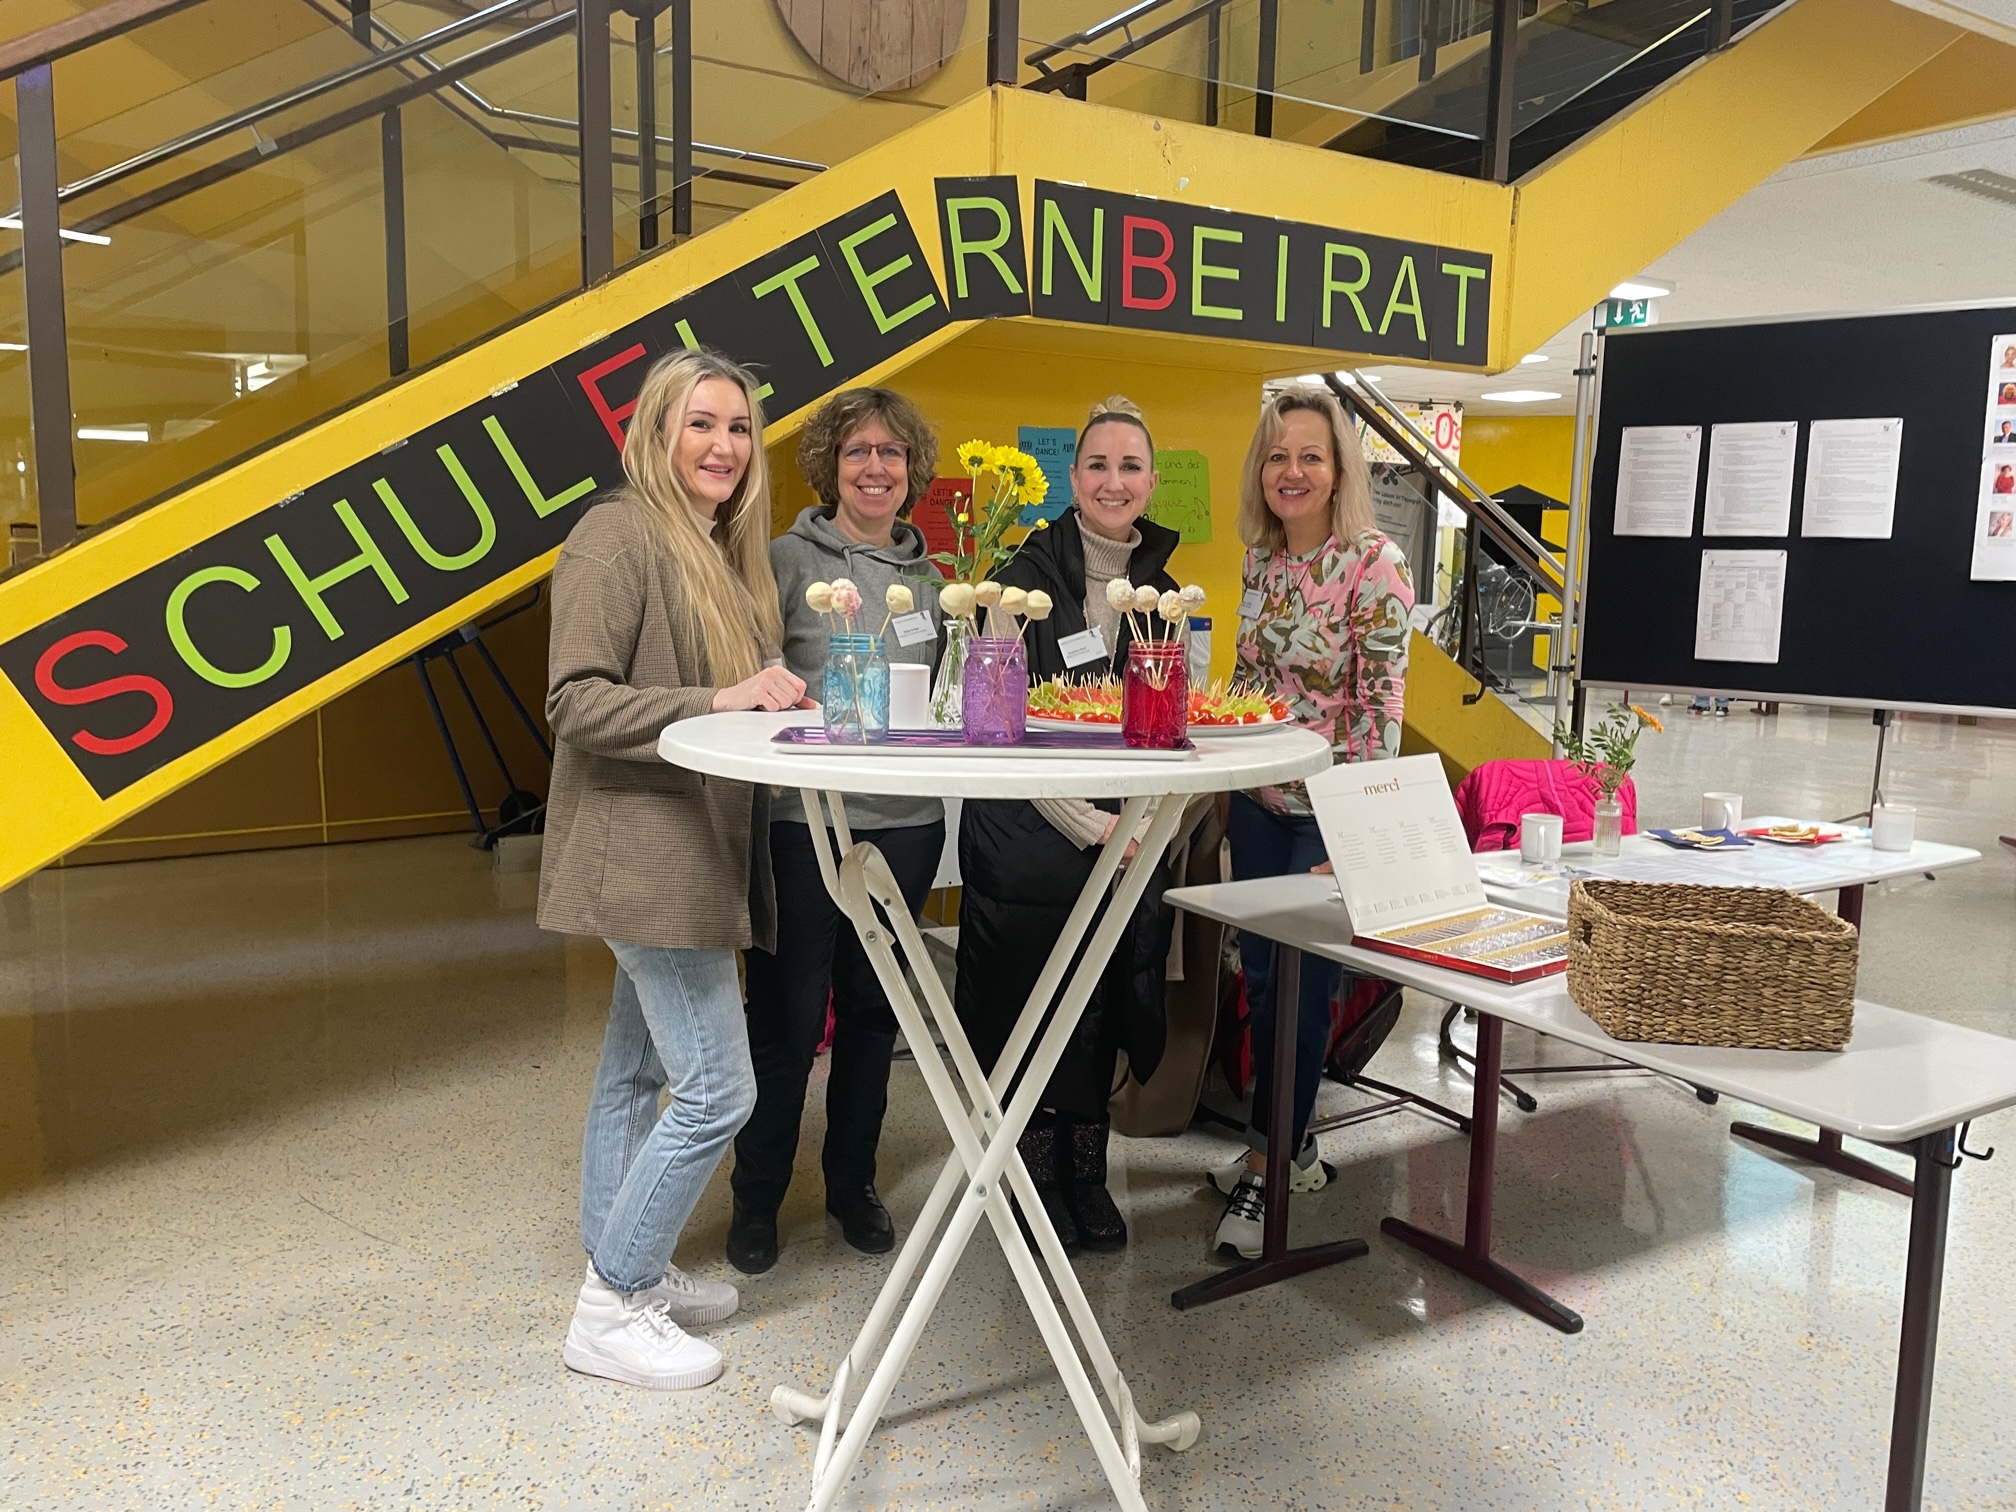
856	690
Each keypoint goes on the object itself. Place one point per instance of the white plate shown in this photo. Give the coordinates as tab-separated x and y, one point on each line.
1196	732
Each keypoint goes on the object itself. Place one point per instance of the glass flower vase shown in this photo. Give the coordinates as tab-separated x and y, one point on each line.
855	694
1609	826
994	693
1155	696
947	695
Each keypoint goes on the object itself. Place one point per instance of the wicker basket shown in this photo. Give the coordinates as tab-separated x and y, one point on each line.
1685	965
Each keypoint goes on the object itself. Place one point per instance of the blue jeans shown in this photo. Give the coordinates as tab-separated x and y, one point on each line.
1278	845
675	1020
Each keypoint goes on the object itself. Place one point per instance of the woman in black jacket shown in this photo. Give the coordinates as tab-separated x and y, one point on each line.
1024	864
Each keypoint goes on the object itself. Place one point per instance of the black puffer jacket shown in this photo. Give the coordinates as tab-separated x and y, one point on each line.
1022	878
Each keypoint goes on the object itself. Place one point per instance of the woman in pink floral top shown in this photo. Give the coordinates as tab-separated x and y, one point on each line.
1323	626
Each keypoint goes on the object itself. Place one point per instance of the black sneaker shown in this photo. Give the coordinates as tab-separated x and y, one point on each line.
752	1240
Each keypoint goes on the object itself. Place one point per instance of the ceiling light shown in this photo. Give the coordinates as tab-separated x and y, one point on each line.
13	223
1532	357
1983	183
1520	396
1640	288
1348	378
1314	380
111	433
13	346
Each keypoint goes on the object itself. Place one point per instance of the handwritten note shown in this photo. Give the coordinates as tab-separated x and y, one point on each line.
1182	497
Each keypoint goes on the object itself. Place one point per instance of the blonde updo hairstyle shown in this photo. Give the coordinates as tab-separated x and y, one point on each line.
730	591
1115	408
1350	503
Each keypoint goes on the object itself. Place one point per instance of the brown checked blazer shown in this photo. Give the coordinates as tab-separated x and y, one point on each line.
636	849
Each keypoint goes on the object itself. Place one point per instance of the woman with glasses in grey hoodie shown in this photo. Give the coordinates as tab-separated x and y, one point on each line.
869	455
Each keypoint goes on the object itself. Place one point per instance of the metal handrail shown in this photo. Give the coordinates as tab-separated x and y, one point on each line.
1123	21
560	123
300	95
1533	556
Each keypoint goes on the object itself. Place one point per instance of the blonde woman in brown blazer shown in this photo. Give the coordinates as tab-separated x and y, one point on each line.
663	608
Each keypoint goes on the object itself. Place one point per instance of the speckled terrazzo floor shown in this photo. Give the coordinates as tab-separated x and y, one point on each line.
287	1184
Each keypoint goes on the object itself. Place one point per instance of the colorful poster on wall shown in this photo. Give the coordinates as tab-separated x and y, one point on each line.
1995	508
1182	497
1440	423
1052	446
933	514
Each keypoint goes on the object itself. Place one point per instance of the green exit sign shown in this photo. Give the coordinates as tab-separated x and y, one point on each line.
1613	313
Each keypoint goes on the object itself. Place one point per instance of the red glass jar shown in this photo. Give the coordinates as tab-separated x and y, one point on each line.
1155	696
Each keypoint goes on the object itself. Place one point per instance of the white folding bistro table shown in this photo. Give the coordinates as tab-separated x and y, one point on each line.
1844	867
1904	1081
742	747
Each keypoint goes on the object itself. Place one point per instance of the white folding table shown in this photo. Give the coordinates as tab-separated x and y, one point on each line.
742	747
1904	1081
1843	866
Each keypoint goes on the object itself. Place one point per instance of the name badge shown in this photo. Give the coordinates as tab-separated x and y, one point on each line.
1249	604
1086	646
913	629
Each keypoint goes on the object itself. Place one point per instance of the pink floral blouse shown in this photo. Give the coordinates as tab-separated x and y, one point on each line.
1329	639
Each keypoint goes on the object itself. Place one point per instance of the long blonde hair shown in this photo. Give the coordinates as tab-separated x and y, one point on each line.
729	587
1350	503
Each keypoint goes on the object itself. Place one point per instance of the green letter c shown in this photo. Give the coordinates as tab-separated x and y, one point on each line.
201	665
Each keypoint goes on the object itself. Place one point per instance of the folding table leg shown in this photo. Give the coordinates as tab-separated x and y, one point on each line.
1472	1257
984	1157
1823	1150
1924	1272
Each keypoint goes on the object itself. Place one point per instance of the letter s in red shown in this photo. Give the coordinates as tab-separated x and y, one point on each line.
97	692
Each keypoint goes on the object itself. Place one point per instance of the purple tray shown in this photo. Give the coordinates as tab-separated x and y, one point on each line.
1106	742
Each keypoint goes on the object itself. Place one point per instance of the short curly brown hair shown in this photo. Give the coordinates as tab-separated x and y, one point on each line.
845	413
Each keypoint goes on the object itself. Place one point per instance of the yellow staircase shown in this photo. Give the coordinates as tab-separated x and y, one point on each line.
164	644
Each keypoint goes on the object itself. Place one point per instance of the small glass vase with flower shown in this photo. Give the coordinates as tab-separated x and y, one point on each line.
1605	756
984	655
854	695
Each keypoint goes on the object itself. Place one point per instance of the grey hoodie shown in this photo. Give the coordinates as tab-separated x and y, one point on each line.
816	550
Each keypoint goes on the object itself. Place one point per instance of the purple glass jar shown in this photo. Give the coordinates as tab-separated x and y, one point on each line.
994	691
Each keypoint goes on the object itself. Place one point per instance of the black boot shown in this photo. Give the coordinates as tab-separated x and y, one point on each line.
863	1220
1042	1150
752	1240
1100	1226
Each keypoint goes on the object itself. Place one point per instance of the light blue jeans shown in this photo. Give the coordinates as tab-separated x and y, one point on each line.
675	1020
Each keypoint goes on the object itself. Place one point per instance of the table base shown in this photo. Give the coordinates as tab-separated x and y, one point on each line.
983	1159
1825	1150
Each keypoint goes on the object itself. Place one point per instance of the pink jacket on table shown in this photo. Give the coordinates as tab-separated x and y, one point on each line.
1490	800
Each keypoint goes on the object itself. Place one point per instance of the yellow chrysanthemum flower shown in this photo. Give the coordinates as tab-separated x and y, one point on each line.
1043	524
975	456
1035	488
1635	709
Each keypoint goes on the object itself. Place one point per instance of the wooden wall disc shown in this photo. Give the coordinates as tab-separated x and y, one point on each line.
876	45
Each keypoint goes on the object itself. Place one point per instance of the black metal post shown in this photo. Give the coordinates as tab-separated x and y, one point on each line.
1431	23
1212	47
682	117
646	50
1004	40
397	325
598	185
1500	97
49	418
1924	1271
1263	99
1721	22
1368	34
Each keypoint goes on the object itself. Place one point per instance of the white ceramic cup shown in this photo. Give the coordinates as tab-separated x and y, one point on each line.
1892	827
1539	837
1721	811
909	696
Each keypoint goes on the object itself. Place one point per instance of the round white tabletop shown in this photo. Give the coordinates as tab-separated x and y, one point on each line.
740	746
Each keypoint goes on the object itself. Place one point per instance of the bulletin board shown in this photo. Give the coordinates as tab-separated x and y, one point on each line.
1903	622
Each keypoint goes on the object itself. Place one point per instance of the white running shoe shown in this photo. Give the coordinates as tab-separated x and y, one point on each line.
634	1340
1243	1229
1310	1173
691	1301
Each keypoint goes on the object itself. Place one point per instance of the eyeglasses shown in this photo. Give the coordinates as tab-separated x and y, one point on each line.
890	456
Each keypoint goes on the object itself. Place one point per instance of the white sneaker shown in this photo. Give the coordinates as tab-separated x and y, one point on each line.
1309	1173
1243	1229
634	1340
691	1301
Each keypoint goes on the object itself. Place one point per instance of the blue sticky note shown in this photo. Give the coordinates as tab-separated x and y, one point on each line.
1053	447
